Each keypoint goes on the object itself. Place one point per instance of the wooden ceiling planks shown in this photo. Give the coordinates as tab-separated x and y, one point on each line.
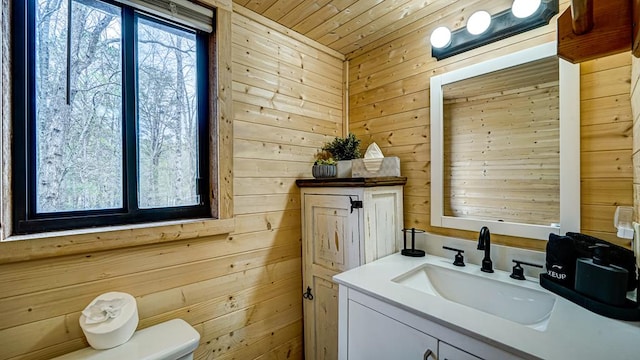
349	25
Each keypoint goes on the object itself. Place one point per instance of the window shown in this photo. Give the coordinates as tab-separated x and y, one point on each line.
110	115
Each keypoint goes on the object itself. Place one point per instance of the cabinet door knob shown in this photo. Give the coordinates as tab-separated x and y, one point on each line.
430	354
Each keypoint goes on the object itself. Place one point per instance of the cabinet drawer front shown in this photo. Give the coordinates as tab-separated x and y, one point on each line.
448	352
375	336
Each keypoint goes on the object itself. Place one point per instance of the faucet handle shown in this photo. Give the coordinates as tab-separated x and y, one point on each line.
518	272
459	259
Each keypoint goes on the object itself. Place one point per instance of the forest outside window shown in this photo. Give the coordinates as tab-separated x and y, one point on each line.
110	113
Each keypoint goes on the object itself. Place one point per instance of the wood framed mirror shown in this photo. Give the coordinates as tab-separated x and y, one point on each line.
505	145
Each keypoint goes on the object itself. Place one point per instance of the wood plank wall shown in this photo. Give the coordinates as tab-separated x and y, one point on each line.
606	142
242	292
389	104
287	104
635	110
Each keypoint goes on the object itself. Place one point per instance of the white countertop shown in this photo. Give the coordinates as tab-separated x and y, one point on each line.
572	332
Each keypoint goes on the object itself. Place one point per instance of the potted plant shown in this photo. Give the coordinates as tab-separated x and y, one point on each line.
343	150
324	166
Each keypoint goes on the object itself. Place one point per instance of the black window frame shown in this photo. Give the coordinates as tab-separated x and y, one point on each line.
25	218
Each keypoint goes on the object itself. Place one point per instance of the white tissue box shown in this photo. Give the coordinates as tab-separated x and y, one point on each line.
368	167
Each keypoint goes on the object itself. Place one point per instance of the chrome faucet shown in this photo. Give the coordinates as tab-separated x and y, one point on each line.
484	243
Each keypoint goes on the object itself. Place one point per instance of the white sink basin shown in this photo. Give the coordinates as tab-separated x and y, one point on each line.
517	303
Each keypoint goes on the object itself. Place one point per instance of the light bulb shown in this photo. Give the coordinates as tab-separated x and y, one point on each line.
440	37
524	8
478	22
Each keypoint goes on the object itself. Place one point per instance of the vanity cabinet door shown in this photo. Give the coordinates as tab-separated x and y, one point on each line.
331	233
448	352
373	335
331	245
342	228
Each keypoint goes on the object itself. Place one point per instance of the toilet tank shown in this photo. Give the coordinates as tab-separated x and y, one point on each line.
171	340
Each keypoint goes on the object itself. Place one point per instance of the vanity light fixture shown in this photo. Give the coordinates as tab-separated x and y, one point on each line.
483	28
524	8
478	22
441	37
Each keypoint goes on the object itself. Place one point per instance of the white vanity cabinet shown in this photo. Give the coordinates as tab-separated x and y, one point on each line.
345	223
372	329
373	335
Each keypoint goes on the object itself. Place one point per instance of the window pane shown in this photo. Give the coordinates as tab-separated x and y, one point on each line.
79	137
167	116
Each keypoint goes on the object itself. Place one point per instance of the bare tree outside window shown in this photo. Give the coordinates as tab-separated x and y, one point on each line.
79	136
79	109
167	116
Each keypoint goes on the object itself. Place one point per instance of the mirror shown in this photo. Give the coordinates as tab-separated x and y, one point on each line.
505	145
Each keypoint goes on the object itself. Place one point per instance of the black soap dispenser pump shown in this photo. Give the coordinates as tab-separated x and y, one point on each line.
600	280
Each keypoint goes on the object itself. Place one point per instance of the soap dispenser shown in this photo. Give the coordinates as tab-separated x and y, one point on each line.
600	280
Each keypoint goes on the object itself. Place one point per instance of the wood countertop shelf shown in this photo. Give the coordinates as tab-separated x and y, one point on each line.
352	182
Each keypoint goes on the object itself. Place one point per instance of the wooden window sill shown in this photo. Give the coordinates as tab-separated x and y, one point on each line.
60	243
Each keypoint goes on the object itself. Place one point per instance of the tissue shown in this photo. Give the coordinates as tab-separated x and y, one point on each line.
373	158
373	152
102	310
109	320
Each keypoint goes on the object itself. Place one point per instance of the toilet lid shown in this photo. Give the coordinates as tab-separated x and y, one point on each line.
169	340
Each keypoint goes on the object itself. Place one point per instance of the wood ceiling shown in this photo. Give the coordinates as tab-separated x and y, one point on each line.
348	25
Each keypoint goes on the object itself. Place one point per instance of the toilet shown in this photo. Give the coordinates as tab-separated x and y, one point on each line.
171	340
